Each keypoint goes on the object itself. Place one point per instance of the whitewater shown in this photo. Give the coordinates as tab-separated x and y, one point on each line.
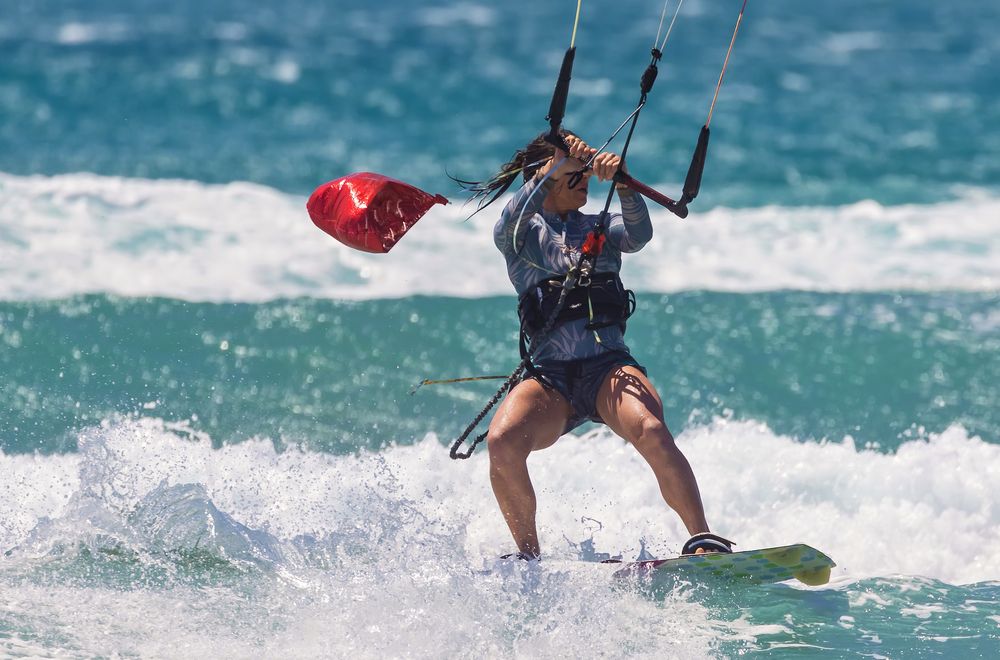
72	234
171	543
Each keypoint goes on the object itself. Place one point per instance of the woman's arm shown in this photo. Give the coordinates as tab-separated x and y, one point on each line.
512	229
631	230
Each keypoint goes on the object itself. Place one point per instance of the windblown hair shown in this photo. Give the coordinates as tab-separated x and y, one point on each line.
525	162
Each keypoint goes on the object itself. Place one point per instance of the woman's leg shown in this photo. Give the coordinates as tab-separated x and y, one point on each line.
630	406
531	417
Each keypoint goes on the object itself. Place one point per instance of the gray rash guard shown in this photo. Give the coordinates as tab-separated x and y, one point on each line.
540	245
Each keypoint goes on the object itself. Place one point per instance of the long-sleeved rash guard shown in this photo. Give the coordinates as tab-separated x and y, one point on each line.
540	245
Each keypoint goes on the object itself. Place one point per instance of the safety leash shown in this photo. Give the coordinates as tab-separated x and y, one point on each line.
515	376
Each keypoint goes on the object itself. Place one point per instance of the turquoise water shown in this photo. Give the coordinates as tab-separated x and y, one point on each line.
336	376
837	103
208	441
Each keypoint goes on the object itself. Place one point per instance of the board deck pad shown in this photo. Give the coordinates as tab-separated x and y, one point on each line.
767	565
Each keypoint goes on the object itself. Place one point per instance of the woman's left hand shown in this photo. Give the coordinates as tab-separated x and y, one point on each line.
606	164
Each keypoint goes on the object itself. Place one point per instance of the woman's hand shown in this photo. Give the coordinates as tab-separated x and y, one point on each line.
579	153
578	150
606	164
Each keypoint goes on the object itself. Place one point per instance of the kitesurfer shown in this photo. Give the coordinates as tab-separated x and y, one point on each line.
581	369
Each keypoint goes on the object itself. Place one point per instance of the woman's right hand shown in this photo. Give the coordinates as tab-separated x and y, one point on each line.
579	153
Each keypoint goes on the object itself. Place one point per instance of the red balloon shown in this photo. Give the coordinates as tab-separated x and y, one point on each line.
368	211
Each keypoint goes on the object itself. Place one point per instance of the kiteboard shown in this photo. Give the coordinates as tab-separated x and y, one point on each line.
765	566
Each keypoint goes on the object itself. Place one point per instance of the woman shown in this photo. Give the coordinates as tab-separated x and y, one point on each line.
581	369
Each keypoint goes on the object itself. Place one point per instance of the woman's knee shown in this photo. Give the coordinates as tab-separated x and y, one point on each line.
507	443
653	432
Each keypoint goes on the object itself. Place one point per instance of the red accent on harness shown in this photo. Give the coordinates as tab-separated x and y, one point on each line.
368	211
593	245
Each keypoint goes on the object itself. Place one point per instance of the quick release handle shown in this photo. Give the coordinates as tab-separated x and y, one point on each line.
557	109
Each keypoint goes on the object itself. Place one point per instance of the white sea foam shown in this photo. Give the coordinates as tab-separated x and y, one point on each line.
75	34
928	509
473	15
379	555
83	233
366	556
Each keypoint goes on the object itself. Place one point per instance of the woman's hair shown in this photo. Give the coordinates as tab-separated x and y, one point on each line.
525	162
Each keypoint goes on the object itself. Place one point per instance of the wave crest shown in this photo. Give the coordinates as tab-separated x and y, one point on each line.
82	233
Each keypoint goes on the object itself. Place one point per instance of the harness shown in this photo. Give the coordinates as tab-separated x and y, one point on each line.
605	302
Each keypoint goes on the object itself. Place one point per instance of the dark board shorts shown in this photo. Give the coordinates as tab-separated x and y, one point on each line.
579	382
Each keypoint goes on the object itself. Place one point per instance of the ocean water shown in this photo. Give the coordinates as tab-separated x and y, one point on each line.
210	441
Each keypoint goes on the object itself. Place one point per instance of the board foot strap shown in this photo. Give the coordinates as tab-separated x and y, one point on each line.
708	542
